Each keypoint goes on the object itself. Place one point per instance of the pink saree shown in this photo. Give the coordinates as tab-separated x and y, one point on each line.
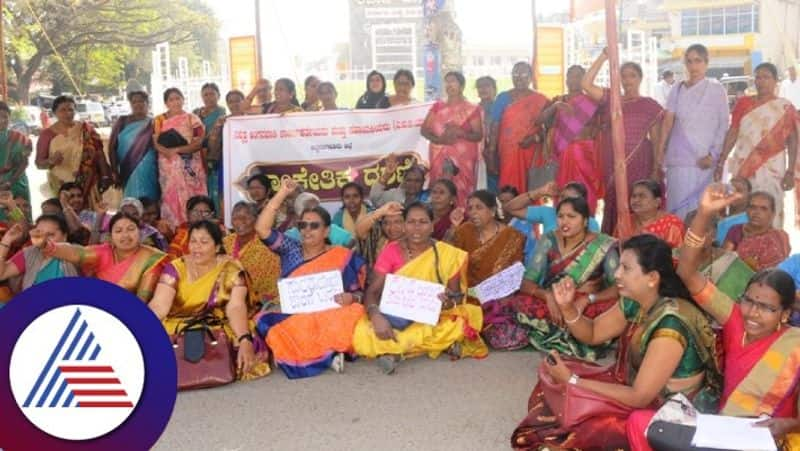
464	154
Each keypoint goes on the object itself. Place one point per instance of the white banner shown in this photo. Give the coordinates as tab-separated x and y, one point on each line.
417	300
322	151
311	293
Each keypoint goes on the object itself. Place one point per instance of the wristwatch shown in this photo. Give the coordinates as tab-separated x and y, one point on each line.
592	298
573	380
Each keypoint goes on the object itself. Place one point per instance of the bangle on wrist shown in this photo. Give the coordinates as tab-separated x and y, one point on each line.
248	336
574	320
372	308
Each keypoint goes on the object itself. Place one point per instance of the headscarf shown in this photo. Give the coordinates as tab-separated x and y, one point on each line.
373	100
137	204
300	202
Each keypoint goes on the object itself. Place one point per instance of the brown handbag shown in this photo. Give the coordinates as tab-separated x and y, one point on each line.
206	359
573	405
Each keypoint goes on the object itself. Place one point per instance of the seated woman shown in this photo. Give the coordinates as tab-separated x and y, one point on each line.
443	203
418	256
353	207
259	189
762	354
375	230
492	247
409	191
151	216
648	217
150	236
305	344
124	261
589	258
666	346
198	208
757	242
262	265
30	262
337	235
205	282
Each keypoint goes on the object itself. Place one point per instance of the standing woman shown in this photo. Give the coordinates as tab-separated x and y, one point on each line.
455	130
375	97
210	113
181	172
15	148
515	143
403	85
73	152
642	117
285	98
236	103
311	102
762	128
130	148
695	127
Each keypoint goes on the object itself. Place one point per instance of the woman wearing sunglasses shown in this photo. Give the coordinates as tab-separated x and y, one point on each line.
762	353
305	344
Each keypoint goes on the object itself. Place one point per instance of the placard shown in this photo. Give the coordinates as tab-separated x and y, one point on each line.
311	293
500	285
412	299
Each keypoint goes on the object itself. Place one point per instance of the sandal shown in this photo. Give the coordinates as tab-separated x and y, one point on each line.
388	363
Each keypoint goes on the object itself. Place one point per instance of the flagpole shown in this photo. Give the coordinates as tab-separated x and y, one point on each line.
624	226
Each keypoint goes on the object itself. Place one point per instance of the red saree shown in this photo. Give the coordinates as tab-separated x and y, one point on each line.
516	124
464	154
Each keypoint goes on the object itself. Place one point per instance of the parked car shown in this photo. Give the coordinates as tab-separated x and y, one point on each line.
31	116
92	112
737	86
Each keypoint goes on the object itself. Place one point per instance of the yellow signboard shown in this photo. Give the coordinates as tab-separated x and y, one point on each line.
550	76
243	62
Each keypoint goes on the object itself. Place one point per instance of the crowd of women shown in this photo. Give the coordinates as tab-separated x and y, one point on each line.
698	315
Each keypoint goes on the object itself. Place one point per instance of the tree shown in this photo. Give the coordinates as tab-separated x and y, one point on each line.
97	37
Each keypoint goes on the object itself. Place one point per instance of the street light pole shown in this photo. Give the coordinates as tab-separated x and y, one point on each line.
3	74
258	39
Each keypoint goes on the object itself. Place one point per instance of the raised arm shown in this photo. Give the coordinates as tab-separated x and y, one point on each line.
8	269
268	214
518	206
605	327
365	224
587	84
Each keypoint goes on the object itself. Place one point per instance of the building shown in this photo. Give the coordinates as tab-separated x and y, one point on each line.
496	61
740	34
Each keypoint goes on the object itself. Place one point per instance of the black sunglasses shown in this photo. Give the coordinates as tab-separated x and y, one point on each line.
311	225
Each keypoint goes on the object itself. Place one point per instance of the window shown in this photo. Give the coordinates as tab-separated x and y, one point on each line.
689	22
720	21
496	61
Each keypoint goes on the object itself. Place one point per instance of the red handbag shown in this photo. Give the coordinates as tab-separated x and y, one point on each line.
207	363
573	405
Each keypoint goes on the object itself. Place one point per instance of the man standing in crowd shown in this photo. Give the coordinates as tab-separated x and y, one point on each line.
790	88
664	87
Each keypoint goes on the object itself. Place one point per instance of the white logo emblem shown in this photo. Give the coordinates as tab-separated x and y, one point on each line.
76	372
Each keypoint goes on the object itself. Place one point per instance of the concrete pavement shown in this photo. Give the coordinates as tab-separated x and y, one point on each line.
426	405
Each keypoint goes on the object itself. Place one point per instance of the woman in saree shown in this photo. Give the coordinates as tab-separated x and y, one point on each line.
666	346
327	95
306	344
764	131
181	171
375	95
419	256
648	217
572	250
148	235
210	113
642	125
455	131
130	148
124	261
198	208
72	151
16	148
492	247
377	229
311	101
285	98
259	190
30	262
235	101
515	144
353	207
204	282
761	352
263	265
403	86
693	132
757	242
443	203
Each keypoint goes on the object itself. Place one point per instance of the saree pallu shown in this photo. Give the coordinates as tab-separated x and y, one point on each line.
132	143
762	251
608	432
210	294
180	242
36	268
180	176
464	154
640	114
668	227
764	129
304	344
16	150
344	219
461	324
138	273
596	259
516	123
213	162
263	266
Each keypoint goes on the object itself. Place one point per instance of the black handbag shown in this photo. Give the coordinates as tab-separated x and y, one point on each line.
171	138
666	436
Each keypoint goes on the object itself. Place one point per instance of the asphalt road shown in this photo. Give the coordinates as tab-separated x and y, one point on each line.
426	405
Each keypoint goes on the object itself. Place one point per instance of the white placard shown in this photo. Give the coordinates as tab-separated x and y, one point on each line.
311	293
412	299
721	432
500	285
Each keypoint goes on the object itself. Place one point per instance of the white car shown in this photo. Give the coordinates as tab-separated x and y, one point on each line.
92	112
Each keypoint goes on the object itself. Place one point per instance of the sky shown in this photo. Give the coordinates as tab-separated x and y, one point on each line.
312	27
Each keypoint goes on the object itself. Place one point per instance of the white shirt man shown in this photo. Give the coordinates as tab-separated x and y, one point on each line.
790	88
664	87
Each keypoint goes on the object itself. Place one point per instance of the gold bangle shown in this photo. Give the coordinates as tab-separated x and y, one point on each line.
692	240
571	322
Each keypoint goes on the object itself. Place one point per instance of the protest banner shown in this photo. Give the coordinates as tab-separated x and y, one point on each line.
311	293
321	151
412	299
500	285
